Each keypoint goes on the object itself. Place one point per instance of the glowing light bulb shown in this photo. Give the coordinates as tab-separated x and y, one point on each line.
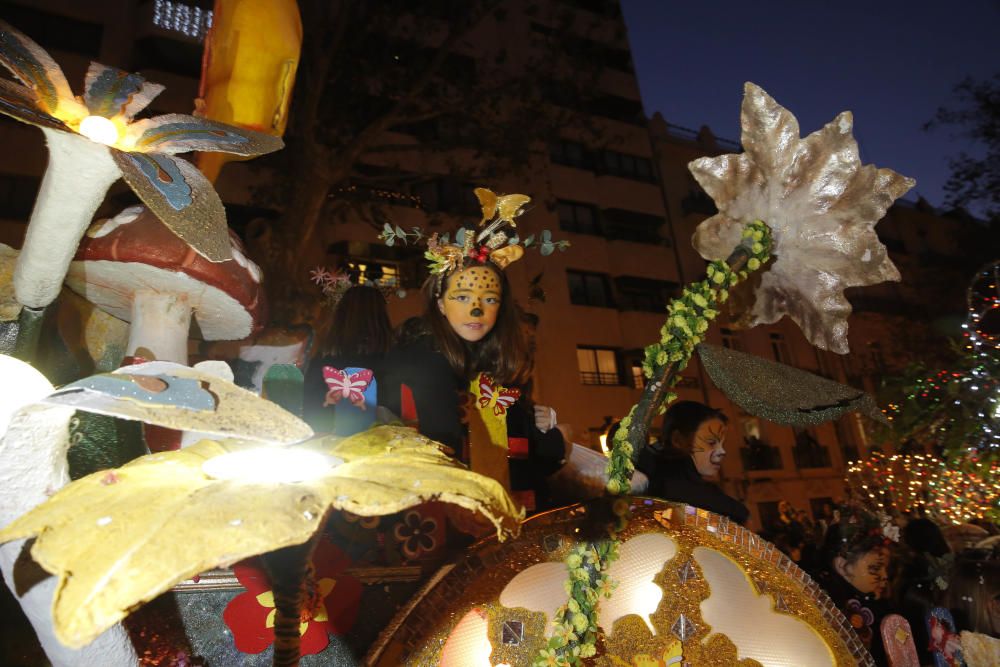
266	465
99	129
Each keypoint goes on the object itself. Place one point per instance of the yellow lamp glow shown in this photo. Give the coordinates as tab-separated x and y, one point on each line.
99	129
604	444
268	465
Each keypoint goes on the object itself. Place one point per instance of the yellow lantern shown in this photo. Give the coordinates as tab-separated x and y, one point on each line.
251	56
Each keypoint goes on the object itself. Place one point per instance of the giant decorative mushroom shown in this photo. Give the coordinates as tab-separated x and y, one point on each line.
95	141
135	268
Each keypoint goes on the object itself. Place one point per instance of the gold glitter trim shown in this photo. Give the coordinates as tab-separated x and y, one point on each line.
480	577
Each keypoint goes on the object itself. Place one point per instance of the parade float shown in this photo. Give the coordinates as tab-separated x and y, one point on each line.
617	580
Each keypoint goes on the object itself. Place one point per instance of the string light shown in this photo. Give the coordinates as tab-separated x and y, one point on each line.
179	17
920	484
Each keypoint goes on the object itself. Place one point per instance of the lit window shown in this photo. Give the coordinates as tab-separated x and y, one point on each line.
368	272
597	366
638	377
179	17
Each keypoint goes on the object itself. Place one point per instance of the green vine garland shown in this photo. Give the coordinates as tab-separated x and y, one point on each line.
575	634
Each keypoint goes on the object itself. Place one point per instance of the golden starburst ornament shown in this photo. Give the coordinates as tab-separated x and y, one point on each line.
821	204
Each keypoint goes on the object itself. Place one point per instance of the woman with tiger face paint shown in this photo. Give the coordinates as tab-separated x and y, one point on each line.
690	454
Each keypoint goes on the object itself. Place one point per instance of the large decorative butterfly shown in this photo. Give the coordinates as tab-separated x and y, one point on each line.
343	386
504	207
491	392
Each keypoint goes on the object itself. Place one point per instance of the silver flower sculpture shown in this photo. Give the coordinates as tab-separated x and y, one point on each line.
821	204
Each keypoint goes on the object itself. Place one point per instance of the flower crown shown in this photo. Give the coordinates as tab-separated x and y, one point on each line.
490	240
862	529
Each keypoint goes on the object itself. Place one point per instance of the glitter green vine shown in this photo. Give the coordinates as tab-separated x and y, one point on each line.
688	319
575	634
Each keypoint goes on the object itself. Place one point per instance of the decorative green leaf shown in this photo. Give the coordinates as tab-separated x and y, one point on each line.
400	233
547	248
546	235
528	241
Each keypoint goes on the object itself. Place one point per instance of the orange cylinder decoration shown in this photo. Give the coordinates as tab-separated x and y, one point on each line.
248	71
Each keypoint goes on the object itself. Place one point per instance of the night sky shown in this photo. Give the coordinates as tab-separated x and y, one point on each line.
891	62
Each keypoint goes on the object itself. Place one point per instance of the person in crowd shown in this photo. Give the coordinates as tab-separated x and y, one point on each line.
342	385
922	578
974	595
788	532
472	342
689	454
855	574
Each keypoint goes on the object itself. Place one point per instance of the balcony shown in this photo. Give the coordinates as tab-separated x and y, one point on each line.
808	454
758	455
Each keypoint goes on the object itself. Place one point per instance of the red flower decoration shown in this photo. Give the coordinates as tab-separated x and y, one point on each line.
331	607
480	254
861	619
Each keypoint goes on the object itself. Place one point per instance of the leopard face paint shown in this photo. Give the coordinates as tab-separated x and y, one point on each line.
471	302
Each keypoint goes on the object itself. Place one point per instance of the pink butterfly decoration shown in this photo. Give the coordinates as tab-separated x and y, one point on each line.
341	385
504	397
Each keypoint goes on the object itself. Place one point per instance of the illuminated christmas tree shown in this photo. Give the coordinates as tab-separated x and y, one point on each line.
955	411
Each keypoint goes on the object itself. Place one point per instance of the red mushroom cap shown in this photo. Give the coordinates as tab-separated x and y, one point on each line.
134	251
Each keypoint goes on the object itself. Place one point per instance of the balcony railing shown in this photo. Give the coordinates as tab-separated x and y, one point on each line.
811	456
758	455
591	377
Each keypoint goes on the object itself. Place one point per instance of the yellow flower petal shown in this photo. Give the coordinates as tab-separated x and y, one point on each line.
164	520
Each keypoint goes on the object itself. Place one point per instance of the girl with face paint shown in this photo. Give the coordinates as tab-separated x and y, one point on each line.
472	326
694	436
856	557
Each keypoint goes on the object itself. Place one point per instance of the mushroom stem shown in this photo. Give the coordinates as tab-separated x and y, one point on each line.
160	325
79	174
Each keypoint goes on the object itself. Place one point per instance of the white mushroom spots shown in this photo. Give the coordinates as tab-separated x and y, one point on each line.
246	263
108	225
103	521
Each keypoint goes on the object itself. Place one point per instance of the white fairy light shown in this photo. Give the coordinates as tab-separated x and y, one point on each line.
183	18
